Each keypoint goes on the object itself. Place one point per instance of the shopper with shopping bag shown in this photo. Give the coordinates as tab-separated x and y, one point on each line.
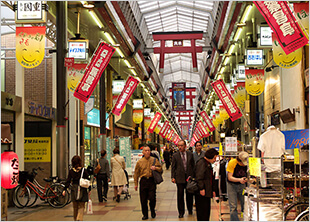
79	194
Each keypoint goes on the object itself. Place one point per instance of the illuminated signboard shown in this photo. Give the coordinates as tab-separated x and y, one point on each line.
78	49
254	57
265	36
117	86
137	104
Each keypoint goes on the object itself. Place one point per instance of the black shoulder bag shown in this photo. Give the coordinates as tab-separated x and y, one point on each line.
156	175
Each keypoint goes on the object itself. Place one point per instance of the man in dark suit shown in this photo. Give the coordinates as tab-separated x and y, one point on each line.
182	167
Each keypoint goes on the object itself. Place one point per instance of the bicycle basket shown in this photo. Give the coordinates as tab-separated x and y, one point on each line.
24	176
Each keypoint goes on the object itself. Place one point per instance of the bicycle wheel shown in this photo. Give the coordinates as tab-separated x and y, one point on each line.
304	216
55	197
294	210
33	197
22	196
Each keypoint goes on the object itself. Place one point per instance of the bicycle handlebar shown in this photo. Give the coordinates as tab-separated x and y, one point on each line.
35	170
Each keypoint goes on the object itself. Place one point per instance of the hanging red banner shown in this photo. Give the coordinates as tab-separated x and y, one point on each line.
199	131
165	133
203	129
154	122
227	100
207	121
163	129
170	135
283	23
195	138
129	88
94	70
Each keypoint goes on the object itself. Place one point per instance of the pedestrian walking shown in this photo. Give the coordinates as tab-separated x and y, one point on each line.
199	153
236	179
143	170
206	184
167	158
103	177
74	178
118	175
182	167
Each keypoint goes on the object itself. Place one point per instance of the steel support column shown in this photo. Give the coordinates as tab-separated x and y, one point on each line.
103	130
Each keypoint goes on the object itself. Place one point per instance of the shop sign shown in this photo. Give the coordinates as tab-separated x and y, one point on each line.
203	129
137	104
283	60
296	138
30	12
254	57
227	100
87	133
179	96
94	70
125	150
30	46
69	62
10	102
147	111
255	166
89	105
40	110
37	149
137	116
241	72
93	117
283	23
78	49
166	123
75	73
231	144
152	115
302	12
154	122
265	36
131	85
207	120
254	81
117	86
240	94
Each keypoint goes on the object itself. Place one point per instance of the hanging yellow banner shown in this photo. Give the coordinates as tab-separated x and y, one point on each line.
302	12
30	45
240	94
157	129
283	60
137	116
74	75
255	166
147	122
254	81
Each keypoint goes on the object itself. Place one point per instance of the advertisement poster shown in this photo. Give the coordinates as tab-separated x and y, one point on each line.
125	150
227	100
255	166
135	156
283	23
179	96
37	149
231	144
94	70
283	60
296	138
254	81
30	46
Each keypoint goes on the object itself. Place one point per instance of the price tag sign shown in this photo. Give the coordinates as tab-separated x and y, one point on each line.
296	156
255	166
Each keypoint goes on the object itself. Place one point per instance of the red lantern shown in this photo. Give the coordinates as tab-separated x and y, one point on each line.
9	170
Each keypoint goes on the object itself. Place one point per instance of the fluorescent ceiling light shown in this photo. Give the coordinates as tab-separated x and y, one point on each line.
246	13
238	33
231	49
127	63
133	72
110	39
96	19
226	60
120	52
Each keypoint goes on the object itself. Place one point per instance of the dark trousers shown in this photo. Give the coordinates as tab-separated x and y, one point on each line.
102	182
180	198
203	207
147	192
167	164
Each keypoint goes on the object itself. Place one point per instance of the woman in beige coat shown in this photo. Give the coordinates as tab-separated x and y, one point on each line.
118	175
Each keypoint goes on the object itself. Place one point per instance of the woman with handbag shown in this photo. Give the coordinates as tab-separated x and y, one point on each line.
103	177
118	179
206	184
79	194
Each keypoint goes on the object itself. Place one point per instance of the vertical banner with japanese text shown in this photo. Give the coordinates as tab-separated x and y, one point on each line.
154	122
227	100
178	96
302	12
163	129
283	23
30	45
203	128
129	88
137	115
207	121
94	70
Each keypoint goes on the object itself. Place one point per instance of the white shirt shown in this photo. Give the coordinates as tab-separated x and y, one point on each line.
272	144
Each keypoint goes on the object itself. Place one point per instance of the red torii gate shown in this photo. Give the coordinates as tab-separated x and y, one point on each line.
190	96
177	38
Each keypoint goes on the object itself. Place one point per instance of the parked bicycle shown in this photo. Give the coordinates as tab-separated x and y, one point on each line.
294	209
28	191
303	216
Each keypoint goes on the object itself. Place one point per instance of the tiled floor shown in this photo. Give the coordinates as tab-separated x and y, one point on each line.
126	210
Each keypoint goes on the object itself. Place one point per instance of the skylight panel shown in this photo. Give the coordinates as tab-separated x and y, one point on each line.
147	5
